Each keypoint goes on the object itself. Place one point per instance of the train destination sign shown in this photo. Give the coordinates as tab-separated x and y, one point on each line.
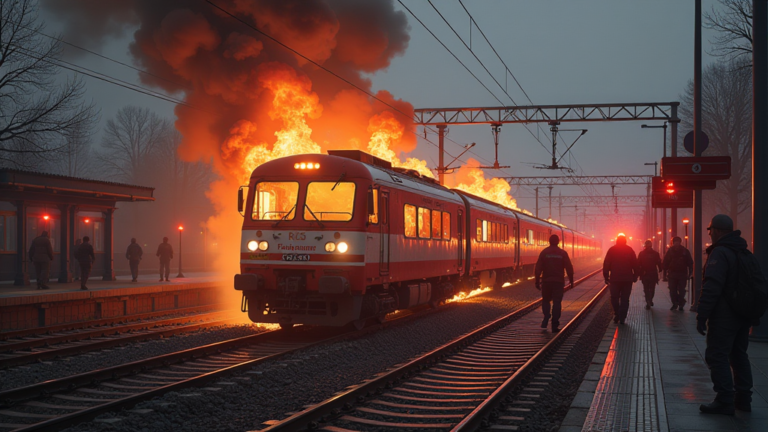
696	169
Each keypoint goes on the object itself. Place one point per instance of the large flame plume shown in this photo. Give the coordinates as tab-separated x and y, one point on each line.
252	100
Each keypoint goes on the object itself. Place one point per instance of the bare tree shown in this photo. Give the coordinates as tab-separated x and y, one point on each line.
726	106
733	23
130	143
36	114
76	157
188	181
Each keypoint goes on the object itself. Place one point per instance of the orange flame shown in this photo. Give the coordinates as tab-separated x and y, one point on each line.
386	130
463	296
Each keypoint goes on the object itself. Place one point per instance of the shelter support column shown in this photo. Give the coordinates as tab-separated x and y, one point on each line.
22	277
760	145
109	270
673	153
65	251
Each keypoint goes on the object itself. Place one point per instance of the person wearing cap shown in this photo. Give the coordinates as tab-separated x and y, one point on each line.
551	267
133	255
620	270
650	267
41	254
727	333
678	266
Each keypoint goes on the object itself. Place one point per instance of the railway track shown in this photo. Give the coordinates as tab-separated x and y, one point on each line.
55	404
53	344
457	386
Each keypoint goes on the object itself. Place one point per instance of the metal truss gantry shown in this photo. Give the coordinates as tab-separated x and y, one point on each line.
613	180
663	111
601	199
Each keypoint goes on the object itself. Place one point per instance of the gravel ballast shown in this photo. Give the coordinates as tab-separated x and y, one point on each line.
244	401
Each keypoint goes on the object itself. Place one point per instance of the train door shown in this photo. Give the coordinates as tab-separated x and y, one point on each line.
460	238
384	232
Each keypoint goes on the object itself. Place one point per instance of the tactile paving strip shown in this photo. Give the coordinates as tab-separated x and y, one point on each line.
629	394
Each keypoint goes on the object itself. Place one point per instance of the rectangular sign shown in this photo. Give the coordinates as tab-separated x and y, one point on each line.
661	185
704	168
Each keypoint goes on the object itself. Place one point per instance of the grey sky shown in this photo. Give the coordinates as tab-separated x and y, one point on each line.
561	52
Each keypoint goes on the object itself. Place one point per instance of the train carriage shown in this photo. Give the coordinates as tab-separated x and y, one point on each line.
345	237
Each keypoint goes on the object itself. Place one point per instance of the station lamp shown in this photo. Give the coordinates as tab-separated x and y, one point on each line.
46	217
686	221
86	220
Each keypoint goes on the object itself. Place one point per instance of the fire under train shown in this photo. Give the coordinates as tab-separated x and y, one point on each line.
345	237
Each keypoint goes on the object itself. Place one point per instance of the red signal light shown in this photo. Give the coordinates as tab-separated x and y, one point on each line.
46	217
670	188
87	221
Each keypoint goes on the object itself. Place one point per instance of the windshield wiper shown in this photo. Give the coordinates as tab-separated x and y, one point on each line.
274	225
313	215
341	177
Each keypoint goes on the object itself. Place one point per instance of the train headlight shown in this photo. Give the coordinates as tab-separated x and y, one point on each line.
330	247
263	245
342	247
253	245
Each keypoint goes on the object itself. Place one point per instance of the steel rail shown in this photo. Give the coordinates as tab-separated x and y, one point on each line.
125	319
308	418
85	345
474	420
51	338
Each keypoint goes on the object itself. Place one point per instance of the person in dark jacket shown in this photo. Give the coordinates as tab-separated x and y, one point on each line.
165	253
620	270
133	255
551	266
727	333
650	267
85	257
678	266
41	254
74	263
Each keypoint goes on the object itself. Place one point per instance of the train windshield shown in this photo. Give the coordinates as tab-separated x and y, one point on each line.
330	201
275	201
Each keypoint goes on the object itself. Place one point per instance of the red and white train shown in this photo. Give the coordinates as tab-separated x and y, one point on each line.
341	238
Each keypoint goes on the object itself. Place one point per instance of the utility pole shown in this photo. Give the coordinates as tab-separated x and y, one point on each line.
441	155
673	153
696	229
550	201
560	208
759	143
537	202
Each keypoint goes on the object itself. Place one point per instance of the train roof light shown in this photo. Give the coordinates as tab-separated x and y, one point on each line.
306	165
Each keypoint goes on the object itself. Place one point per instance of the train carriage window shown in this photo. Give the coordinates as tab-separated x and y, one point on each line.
373	218
505	235
530	237
495	232
424	222
485	231
275	201
446	226
329	201
409	221
436	220
479	230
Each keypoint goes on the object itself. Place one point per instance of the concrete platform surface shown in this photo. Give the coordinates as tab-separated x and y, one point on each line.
96	285
650	375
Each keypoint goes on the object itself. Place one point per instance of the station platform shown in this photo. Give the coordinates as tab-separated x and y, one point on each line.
24	307
650	375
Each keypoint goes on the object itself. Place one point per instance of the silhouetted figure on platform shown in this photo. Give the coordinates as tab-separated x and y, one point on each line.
550	272
165	253
74	263
133	255
727	333
85	257
41	254
620	270
678	266
650	267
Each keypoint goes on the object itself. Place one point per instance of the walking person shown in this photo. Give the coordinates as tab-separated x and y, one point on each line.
650	267
85	257
41	254
620	270
551	267
74	263
678	267
728	268
165	253
133	255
